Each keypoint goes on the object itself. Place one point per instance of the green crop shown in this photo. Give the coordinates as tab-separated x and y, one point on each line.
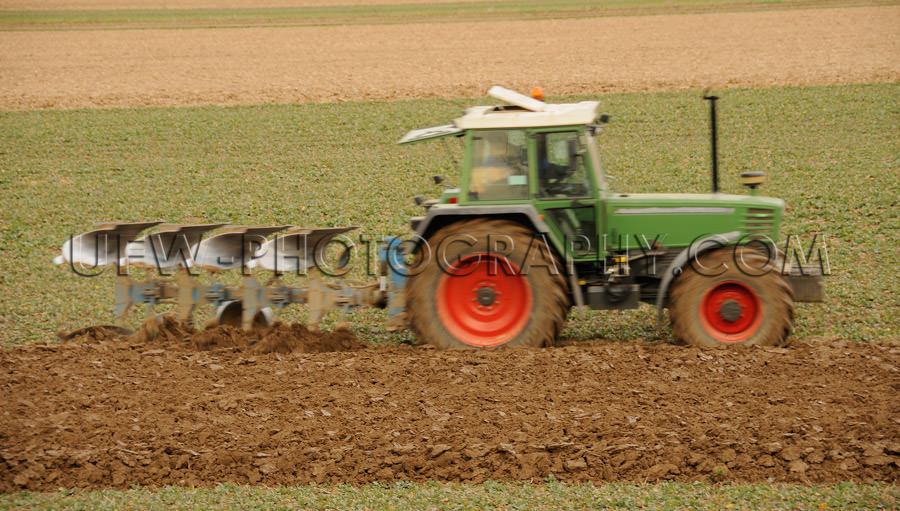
829	152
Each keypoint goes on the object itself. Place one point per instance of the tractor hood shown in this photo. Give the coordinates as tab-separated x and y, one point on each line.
680	217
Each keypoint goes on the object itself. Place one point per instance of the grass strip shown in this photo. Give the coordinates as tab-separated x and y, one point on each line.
490	495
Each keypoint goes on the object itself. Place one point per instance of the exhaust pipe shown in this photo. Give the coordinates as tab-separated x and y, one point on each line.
712	128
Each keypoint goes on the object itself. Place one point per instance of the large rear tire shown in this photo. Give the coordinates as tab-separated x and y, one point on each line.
737	297
486	283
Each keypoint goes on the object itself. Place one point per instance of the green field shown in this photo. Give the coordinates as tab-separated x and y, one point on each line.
380	14
830	152
490	495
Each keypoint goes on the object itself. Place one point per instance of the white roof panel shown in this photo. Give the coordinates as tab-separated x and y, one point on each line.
429	133
481	117
524	112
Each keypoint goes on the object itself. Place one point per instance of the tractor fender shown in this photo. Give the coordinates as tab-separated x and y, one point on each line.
438	216
684	257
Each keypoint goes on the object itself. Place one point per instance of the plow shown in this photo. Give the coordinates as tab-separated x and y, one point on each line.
531	230
178	254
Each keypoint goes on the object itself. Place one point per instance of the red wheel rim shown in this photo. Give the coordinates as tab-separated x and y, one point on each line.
731	311
482	300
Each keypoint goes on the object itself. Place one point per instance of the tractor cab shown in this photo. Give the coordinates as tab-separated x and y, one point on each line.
504	163
528	152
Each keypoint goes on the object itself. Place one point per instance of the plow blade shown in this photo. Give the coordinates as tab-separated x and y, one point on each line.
173	245
234	247
104	245
297	250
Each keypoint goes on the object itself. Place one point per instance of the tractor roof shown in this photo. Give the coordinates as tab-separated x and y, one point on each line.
521	112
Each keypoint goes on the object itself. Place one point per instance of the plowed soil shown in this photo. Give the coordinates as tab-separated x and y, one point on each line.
176	408
124	68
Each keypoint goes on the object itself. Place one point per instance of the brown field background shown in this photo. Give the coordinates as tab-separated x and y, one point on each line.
174	67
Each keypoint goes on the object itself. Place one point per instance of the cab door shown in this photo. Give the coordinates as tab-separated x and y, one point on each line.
564	190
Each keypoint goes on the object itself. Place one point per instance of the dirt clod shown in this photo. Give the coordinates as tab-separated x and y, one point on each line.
93	334
297	338
162	329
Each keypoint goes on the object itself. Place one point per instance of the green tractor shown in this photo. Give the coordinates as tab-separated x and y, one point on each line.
532	229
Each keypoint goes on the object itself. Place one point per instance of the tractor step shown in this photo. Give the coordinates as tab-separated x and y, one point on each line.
808	283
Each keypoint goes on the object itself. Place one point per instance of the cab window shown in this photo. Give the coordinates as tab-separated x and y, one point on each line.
560	161
499	165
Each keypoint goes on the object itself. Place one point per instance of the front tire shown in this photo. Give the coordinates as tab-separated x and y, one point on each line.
746	300
467	289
